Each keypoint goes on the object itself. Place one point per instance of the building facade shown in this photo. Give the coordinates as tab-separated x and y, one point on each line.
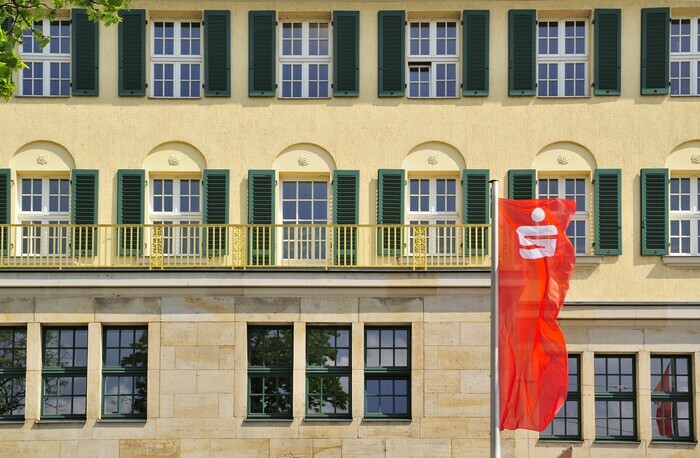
261	228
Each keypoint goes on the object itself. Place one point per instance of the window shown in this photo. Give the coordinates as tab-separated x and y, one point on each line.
305	60
124	365
305	211
671	398
48	69
176	204
328	370
44	201
685	56
567	423
684	202
387	372
270	371
562	58
433	202
615	393
433	56
575	189
176	59
13	360
64	373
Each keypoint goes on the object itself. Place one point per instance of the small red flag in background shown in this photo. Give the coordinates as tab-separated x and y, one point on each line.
536	260
664	409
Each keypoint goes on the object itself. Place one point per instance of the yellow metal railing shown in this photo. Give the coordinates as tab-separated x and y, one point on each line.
183	246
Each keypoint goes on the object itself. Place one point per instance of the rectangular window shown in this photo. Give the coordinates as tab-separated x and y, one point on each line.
387	372
433	57
64	373
270	371
44	201
305	211
567	424
685	56
13	367
48	69
176	204
305	60
562	58
124	370
671	398
615	398
575	189
432	202
176	59
684	205
328	372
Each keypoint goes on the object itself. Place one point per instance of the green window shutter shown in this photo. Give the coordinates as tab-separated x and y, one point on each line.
475	209
392	53
346	187
475	46
390	210
608	45
608	211
521	52
4	210
130	207
655	50
261	53
654	211
521	184
217	53
346	53
261	214
132	53
85	43
84	195
215	189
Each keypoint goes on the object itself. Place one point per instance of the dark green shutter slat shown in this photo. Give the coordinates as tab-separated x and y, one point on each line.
132	53
346	53
521	184
4	210
85	58
608	57
475	46
655	50
215	187
84	195
261	211
217	53
608	211
392	53
521	52
475	209
261	53
390	210
654	211
346	186
130	206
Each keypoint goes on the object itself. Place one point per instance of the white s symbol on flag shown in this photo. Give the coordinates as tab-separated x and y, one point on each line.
537	242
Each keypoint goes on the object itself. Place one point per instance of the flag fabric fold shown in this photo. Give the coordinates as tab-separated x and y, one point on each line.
536	261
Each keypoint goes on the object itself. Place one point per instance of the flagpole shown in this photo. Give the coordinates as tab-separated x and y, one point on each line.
495	405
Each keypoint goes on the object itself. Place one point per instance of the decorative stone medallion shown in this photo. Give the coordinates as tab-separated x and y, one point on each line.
695	158
174	160
42	159
433	159
303	160
563	159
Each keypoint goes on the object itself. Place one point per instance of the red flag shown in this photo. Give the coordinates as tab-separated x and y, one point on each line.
535	264
664	409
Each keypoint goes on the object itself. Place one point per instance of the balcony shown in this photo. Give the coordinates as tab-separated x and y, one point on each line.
204	246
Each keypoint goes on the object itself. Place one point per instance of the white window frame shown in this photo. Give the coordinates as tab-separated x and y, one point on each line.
561	58
46	57
692	56
579	215
434	218
324	236
176	218
433	59
42	217
305	59
692	215
176	59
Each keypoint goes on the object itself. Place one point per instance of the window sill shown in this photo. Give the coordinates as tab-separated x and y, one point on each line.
588	260
555	440
616	442
325	420
268	420
564	97
61	422
659	443
11	422
387	420
681	261
122	420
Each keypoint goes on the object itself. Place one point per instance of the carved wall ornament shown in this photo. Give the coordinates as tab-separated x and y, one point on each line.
42	159
174	160
433	159
563	159
303	160
695	158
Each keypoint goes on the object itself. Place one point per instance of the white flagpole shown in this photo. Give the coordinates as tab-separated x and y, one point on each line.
495	405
